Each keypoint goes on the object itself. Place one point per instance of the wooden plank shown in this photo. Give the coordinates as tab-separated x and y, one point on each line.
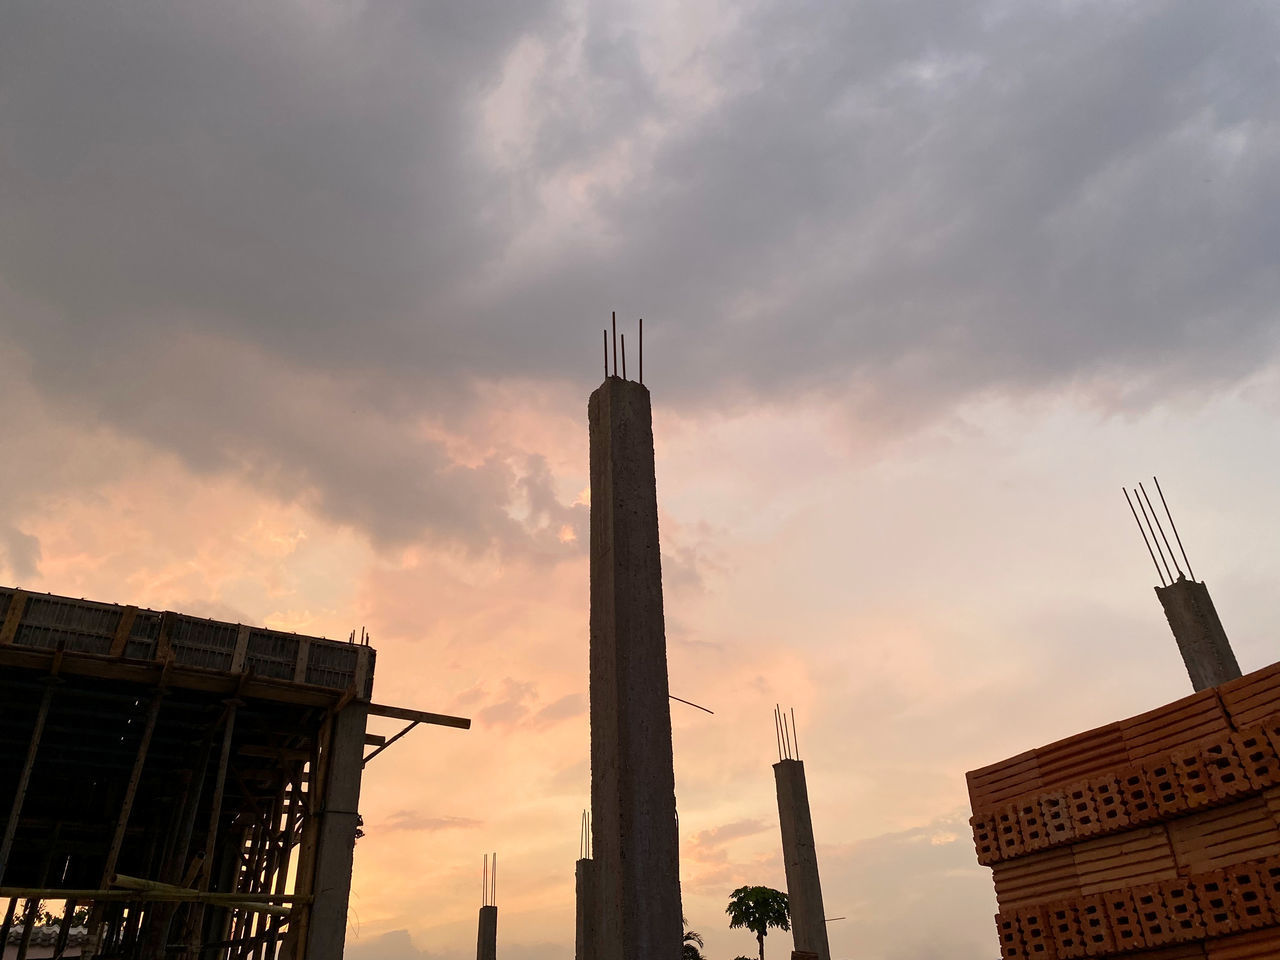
421	716
241	651
17	607
121	640
304	658
178	677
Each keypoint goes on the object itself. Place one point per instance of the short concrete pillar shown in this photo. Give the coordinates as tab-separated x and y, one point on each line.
804	889
588	905
1201	640
487	937
633	801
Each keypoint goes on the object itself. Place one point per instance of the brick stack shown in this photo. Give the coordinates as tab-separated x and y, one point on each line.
1155	838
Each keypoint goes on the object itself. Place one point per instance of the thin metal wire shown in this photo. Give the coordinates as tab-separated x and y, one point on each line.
642	355
795	733
493	901
1175	528
786	736
605	333
1150	552
1161	529
624	356
615	343
484	883
691	703
1152	528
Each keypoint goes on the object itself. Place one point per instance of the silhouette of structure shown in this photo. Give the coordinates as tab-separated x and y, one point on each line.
195	783
636	847
804	889
1156	837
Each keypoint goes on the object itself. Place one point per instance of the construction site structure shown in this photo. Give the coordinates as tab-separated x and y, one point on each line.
1152	838
633	805
799	854
194	784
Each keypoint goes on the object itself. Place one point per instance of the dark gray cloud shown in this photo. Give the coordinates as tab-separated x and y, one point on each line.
272	241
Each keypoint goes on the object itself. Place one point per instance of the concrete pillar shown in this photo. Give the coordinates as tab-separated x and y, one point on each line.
1201	639
633	801
585	947
487	937
804	889
336	836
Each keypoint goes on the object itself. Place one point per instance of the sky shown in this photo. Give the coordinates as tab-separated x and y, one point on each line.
300	306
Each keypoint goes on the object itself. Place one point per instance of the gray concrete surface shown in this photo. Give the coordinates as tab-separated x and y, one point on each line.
800	858
633	802
1201	640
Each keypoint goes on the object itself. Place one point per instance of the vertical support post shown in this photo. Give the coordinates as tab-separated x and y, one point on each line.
28	921
7	924
487	935
131	791
64	930
286	849
804	889
24	779
13	617
336	834
632	781
588	907
1201	639
204	873
219	789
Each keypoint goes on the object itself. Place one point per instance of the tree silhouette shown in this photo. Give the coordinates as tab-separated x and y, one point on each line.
758	909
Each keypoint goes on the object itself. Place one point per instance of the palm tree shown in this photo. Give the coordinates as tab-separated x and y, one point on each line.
758	909
692	941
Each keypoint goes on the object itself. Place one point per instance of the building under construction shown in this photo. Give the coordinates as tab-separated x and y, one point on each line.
193	784
1156	837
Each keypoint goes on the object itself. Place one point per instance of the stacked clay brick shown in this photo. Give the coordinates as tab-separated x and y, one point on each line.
1155	838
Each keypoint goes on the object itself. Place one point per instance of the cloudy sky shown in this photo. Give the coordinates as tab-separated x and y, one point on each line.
300	305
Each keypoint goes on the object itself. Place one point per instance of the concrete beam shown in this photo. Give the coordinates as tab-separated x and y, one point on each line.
633	800
804	889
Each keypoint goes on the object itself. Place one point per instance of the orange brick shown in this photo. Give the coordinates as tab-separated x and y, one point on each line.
1226	772
1216	907
1056	812
1258	756
1197	788
1084	810
1110	805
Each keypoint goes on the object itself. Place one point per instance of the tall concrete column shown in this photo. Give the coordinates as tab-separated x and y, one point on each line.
804	889
336	837
1201	640
585	947
633	799
487	936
